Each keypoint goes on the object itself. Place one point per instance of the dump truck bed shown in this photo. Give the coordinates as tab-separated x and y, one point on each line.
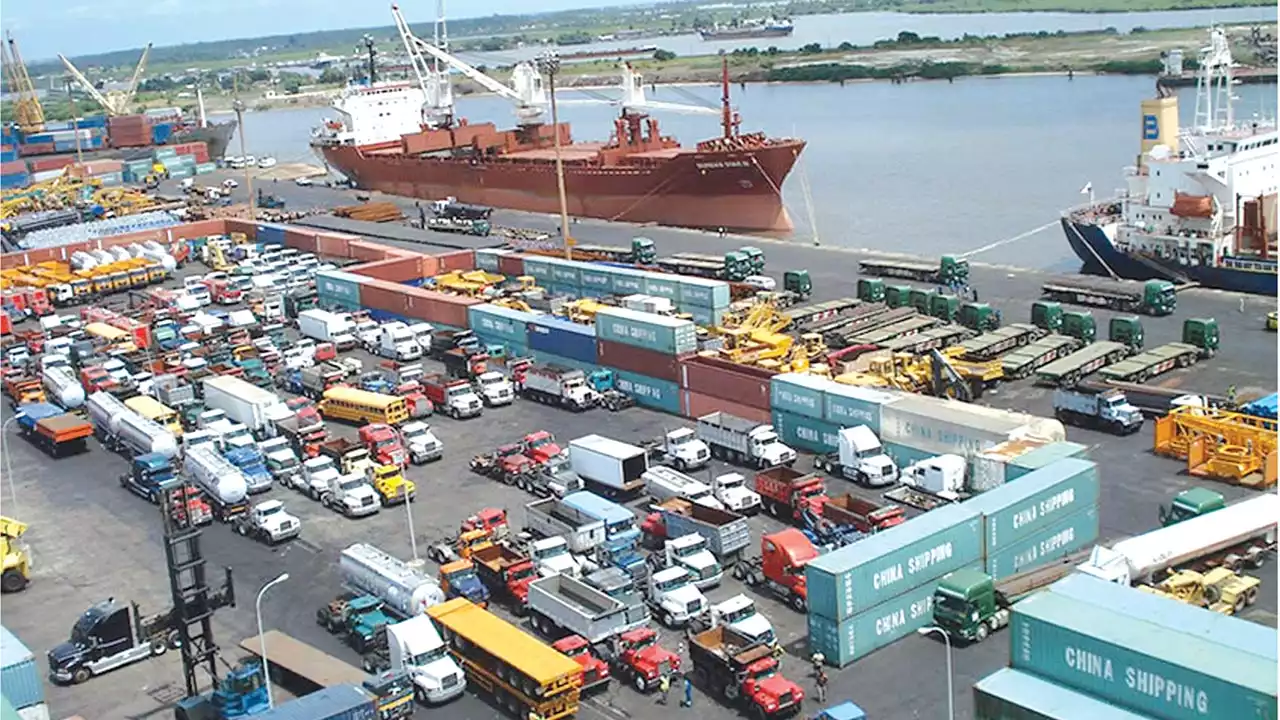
64	428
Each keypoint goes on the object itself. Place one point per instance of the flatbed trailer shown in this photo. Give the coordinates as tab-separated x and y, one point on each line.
300	667
1073	368
990	345
948	268
865	310
695	268
844	336
1150	363
934	338
1152	298
1023	361
885	333
819	312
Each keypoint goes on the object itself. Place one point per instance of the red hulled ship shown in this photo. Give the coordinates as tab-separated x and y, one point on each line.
732	182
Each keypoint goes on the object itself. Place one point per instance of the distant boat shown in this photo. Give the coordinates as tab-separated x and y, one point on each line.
756	28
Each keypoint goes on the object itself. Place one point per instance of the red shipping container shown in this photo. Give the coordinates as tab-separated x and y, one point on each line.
383	295
13	167
511	265
730	381
6	324
304	240
26	149
331	245
396	270
41	164
365	251
199	229
641	361
459	260
428	266
694	405
439	308
102	167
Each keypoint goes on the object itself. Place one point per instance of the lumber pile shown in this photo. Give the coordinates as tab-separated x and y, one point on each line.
370	212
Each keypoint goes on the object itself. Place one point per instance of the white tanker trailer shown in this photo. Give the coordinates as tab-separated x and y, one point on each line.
405	590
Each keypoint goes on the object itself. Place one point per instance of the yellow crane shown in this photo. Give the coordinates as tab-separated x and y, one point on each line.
115	102
27	111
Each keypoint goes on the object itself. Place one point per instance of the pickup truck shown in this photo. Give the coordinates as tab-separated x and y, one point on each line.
550	517
51	428
561	604
727	533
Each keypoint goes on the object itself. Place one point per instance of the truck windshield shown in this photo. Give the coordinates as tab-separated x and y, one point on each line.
351	485
949	601
283	462
767	671
680	438
430	656
489	380
690	549
84	626
463	575
674	583
768	439
574	383
522	572
698	494
459	392
740	614
729	482
238	438
322	465
553	551
415	434
269	511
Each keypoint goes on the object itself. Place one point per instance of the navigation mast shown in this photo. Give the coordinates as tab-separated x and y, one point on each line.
1214	101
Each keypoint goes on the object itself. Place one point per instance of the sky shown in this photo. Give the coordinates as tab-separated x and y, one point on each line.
44	28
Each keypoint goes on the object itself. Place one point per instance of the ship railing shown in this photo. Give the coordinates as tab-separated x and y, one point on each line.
1249	264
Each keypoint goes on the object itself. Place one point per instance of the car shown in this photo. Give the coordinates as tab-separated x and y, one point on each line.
303	182
762	282
230	183
266	162
250	160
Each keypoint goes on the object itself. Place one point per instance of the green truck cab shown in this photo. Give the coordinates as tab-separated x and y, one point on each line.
967	604
896	296
870	290
755	258
1127	330
918	300
1203	333
979	317
1046	315
643	251
944	307
1080	324
953	270
798	282
1191	503
1159	297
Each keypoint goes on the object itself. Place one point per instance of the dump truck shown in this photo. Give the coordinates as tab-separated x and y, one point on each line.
992	344
1022	362
52	429
560	605
551	517
1199	340
745	674
507	573
558	385
1097	406
727	533
455	398
16	572
1075	367
742	441
950	270
786	493
866	516
969	604
1153	297
1220	590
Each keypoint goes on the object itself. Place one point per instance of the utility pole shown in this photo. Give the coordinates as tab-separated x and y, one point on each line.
550	63
238	106
75	124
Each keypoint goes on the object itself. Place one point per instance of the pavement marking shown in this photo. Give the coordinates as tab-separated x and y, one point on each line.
1007	241
606	708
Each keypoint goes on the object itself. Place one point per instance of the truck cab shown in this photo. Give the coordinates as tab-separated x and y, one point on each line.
455	397
423	446
541	447
1190	503
459	579
107	636
551	556
392	486
316	474
149	474
595	671
674	597
360	617
691	553
965	604
732	491
494	388
397	342
644	659
739	613
942	476
663	483
250	461
415	647
383	443
281	461
269	522
684	449
350	495
860	457
780	567
558	478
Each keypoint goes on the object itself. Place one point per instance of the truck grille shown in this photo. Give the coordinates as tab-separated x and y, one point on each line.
695	607
664	667
590	676
286	525
785	699
703	455
449	681
366	502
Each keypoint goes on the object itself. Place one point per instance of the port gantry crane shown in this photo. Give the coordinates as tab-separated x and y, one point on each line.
27	111
115	102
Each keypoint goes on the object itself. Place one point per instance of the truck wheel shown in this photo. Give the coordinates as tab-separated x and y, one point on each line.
158	647
981	633
80	674
798	603
13	580
681	465
668	620
639	682
738	574
1255	556
1240	603
1251	596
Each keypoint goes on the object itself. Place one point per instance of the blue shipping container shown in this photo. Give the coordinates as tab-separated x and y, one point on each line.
13	181
161	133
650	392
270	234
338	702
501	322
510	348
798	394
20	677
383	316
563	338
8	155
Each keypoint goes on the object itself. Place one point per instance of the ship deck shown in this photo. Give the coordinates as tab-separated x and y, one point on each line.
575	152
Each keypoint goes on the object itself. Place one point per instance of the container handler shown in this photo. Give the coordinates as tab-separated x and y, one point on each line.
15	555
744	674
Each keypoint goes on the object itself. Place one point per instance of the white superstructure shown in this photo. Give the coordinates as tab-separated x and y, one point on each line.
368	115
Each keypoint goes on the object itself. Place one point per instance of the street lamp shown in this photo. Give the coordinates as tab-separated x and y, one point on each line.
413	541
951	696
262	639
549	63
8	462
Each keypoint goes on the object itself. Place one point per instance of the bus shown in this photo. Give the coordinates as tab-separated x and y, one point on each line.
362	406
522	673
157	412
110	335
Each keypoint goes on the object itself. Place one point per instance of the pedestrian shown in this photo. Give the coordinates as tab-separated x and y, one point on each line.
817	659
664	687
688	692
822	686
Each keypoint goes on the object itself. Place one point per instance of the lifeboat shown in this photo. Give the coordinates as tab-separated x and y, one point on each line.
1192	205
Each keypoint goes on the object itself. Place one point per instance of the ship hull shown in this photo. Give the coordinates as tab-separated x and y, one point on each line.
746	34
1090	243
215	136
733	190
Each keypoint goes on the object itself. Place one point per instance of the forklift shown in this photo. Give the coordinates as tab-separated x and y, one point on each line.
111	635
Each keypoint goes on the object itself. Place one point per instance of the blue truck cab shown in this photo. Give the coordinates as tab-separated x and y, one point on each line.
249	459
148	475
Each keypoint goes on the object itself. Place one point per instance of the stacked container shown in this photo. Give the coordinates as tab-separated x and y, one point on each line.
487	259
495	325
706	300
13	175
710	384
646	351
916	427
562	342
809	411
20	677
129	131
339	289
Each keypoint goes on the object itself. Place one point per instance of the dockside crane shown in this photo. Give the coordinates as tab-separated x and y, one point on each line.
116	102
27	111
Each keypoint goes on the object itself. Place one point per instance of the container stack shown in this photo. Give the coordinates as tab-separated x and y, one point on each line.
339	289
809	411
20	677
8	152
110	172
487	259
135	171
496	325
556	341
879	590
706	300
710	384
645	351
125	131
14	175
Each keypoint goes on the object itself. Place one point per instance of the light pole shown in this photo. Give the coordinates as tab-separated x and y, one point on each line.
8	462
262	640
550	64
951	696
413	541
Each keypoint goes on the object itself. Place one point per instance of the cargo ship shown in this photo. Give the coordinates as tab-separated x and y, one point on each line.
746	29
385	140
1200	205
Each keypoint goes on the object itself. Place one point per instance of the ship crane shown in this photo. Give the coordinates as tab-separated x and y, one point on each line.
116	102
634	101
27	110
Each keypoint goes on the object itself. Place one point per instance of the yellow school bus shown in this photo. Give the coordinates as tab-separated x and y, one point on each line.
522	673
362	406
157	412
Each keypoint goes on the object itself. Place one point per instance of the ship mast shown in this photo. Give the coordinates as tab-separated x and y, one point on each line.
729	119
1214	101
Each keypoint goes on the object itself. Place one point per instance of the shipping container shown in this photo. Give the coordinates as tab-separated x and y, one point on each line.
649	392
383	295
16	180
703	292
20	677
165	153
538	268
722	379
799	394
662	285
502	322
269	234
564	291
842	642
1009	694
595	279
652	332
625	281
854	578
948	426
849	406
161	133
461	260
406	270
694	405
704	317
1038	500
1172	615
339	286
565	272
562	337
1042	457
511	265
638	360
437	308
988	469
16	167
487	259
546	358
509	348
1073	532
806	433
1138	664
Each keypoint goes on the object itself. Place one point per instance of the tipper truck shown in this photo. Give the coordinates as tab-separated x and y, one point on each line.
223	483
864	515
455	398
616	468
1199	340
551	517
950	270
745	442
860	457
560	604
247	404
743	673
124	430
727	533
406	591
558	385
1153	297
507	573
51	428
787	493
1097	406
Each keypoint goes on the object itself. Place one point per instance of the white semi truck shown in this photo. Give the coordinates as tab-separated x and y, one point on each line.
406	591
745	442
324	326
859	457
664	483
616	468
245	403
414	647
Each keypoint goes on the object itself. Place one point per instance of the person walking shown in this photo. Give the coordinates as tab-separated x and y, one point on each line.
822	685
817	659
688	692
664	687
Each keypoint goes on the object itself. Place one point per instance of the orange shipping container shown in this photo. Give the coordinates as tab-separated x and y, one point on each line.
695	405
304	240
199	229
365	251
439	308
428	266
397	270
460	260
511	265
721	379
44	164
332	245
384	295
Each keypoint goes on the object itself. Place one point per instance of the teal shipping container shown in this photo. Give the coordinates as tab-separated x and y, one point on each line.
487	259
905	455
546	358
510	348
339	286
650	392
1009	694
565	272
206	168
659	333
704	317
799	394
1138	664
663	285
857	577
538	268
843	642
1174	616
1042	457
806	433
1076	531
593	293
164	153
562	290
500	322
849	406
703	292
1036	501
596	278
624	281
20	676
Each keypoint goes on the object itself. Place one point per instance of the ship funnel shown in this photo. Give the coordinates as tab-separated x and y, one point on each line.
1160	123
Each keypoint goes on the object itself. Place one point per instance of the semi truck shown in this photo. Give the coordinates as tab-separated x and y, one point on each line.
53	429
455	398
245	403
779	568
223	483
971	605
673	597
1025	360
268	522
551	517
741	441
860	457
664	483
397	342
993	344
405	590
414	647
616	468
560	604
950	270
125	431
727	533
1199	340
745	674
1075	367
422	444
324	326
1097	406
558	385
681	448
1153	297
692	553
